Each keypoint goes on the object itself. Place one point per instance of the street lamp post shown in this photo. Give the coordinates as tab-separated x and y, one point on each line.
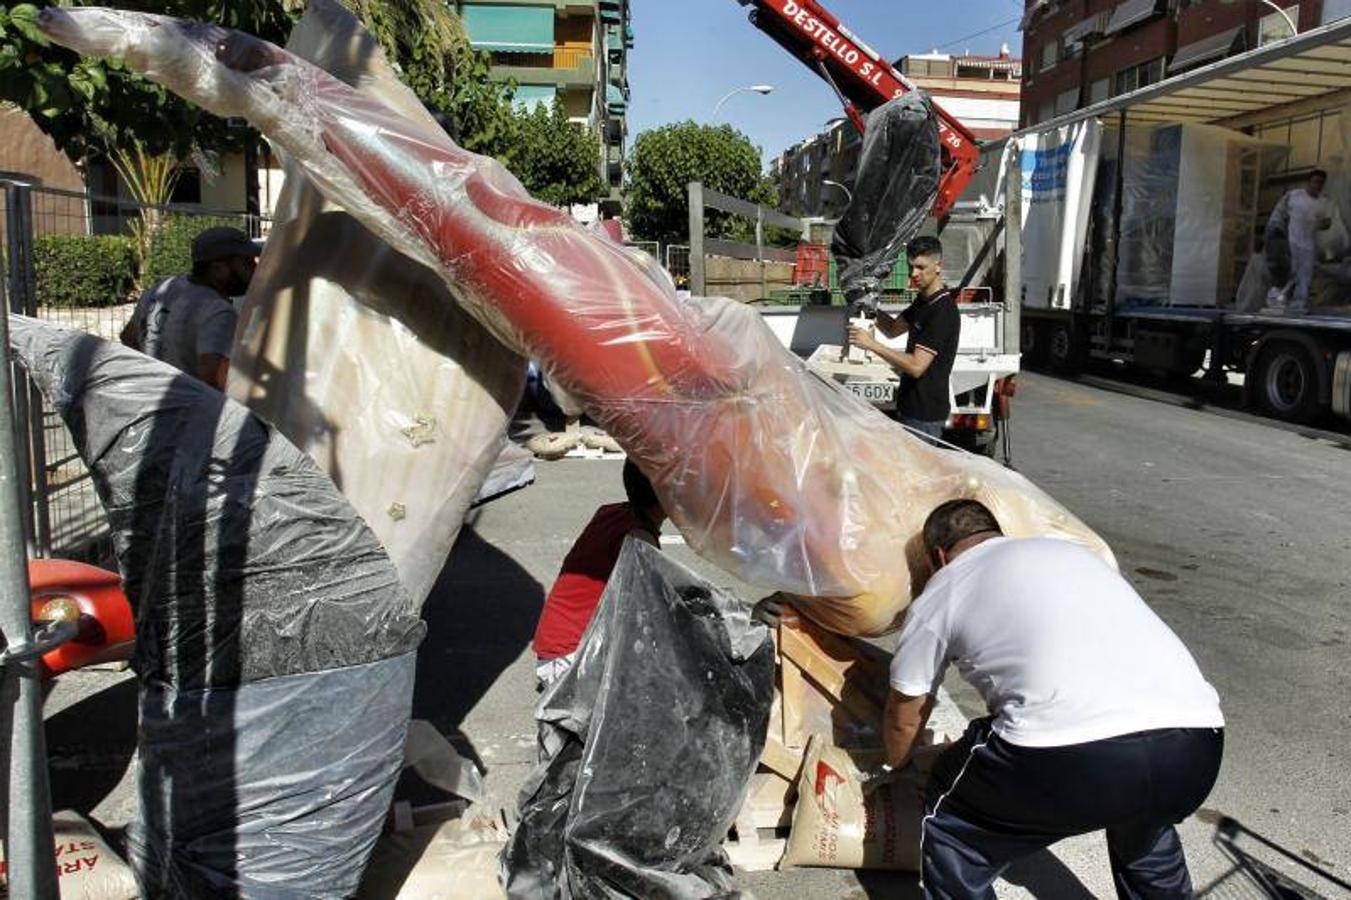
761	89
848	194
1284	15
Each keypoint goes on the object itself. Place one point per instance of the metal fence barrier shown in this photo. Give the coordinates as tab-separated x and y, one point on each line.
60	511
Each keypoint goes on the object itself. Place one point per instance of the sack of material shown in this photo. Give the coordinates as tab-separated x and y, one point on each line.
86	868
274	643
658	727
837	824
453	860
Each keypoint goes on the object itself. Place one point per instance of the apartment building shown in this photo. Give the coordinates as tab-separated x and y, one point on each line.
815	177
1081	52
573	53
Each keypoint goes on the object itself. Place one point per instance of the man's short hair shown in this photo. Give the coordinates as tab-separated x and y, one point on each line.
924	245
1318	173
956	520
638	489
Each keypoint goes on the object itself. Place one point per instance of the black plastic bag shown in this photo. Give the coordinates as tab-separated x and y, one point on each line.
274	643
661	722
898	172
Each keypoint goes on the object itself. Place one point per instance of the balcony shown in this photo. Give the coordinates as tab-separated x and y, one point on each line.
571	56
583	74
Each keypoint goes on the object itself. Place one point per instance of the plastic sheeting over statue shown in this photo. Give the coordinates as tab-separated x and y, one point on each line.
359	355
658	728
898	172
274	643
776	475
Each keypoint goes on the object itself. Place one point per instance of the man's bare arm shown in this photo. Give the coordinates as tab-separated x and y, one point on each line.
912	364
902	721
891	326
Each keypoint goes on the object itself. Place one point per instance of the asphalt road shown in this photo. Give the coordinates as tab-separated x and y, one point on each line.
1234	531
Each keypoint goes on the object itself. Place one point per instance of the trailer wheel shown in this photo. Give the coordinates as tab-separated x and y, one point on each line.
1287	380
1032	346
1060	350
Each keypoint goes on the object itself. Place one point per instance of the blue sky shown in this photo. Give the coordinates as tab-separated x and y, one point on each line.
689	53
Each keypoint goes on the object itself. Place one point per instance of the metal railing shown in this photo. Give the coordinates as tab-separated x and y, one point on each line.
678	264
61	513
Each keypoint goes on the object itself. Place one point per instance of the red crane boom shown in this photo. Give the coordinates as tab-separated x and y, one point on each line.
862	80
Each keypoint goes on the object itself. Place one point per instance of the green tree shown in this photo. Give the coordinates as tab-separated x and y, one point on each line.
557	160
95	107
665	160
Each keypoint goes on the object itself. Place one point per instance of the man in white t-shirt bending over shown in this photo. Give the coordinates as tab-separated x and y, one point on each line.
1099	717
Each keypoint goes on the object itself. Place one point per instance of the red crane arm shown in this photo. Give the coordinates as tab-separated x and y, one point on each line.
862	79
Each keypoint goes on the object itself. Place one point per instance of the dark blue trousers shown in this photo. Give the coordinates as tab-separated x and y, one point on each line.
990	803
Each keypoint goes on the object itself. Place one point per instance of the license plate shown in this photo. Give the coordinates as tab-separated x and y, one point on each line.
881	394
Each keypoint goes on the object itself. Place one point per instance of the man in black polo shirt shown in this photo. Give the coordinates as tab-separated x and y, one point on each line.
934	326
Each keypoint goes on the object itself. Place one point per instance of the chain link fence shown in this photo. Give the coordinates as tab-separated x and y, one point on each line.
79	260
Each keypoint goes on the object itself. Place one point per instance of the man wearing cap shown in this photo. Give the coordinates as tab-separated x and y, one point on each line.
188	321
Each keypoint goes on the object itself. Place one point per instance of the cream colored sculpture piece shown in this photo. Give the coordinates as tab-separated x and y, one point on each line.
772	473
359	355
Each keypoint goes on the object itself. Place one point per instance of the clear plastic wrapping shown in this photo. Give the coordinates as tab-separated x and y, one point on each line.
359	355
1188	214
778	476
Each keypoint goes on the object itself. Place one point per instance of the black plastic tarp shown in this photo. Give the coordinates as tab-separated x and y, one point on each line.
274	641
659	724
898	171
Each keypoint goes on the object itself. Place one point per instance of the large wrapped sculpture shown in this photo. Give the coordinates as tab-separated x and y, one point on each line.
359	355
275	647
770	472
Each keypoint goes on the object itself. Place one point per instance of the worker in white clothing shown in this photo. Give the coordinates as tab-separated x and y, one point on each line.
1291	239
1099	717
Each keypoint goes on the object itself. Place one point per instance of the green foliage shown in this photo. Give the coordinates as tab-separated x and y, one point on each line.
557	160
427	42
665	160
83	270
92	107
170	247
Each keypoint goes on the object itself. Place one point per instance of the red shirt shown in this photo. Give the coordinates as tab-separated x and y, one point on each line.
576	592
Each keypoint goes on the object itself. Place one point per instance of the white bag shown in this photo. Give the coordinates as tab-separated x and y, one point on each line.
86	867
837	825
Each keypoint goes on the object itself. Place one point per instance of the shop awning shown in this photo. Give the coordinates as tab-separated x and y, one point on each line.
615	100
1217	46
1094	24
510	29
1129	13
1314	66
529	96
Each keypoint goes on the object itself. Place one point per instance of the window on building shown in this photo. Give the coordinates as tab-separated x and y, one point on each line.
1046	111
1334	10
1099	90
1066	101
1049	55
1274	27
1136	77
